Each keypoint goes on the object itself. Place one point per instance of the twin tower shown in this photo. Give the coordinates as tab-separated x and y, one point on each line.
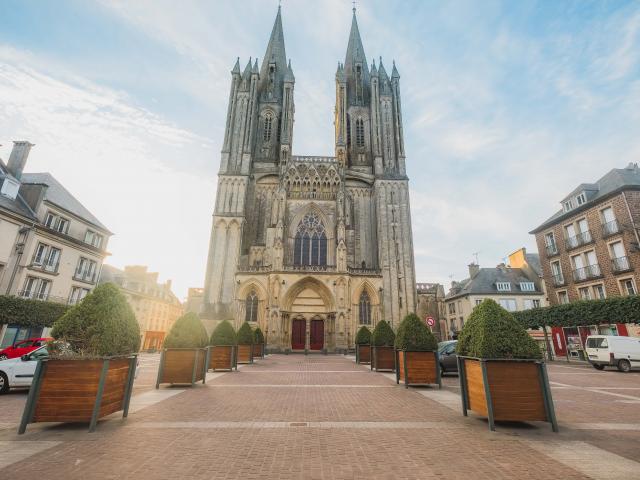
310	248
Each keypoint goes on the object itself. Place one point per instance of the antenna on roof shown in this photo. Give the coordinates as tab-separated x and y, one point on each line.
475	255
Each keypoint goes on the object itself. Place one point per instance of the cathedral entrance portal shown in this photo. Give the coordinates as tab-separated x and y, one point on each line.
298	334
316	335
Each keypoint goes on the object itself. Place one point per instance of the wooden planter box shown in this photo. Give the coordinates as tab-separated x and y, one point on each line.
383	358
244	354
182	366
79	391
258	350
363	354
417	368
222	357
506	390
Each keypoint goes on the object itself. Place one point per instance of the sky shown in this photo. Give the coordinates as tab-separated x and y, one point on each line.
507	107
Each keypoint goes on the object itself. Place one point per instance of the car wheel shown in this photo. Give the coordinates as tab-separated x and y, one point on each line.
4	383
3	357
624	366
598	367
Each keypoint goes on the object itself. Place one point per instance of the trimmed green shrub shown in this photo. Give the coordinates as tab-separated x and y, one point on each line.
492	332
29	313
582	313
363	337
258	336
187	332
413	334
102	325
224	334
245	334
383	335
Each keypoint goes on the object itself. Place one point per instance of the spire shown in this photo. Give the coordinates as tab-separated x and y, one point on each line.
247	70
255	66
374	70
236	67
275	50
355	50
382	71
394	72
288	77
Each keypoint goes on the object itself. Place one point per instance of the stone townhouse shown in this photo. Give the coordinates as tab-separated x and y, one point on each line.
311	247
516	286
51	246
431	304
590	248
155	305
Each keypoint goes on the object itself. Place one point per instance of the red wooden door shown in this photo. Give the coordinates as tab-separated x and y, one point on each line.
298	333
316	340
559	343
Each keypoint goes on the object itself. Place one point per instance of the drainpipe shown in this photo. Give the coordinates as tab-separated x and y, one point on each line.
24	232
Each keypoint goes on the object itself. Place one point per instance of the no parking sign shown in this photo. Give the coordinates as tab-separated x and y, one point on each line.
430	321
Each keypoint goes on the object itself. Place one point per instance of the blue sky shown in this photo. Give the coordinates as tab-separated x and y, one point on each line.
507	107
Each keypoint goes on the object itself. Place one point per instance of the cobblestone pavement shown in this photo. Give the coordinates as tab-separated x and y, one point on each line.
322	417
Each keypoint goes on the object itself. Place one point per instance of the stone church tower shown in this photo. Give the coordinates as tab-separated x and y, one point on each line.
311	247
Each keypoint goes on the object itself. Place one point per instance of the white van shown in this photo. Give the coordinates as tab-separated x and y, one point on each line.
615	351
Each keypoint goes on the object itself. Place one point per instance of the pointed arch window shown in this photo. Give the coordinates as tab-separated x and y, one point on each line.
268	125
310	246
365	308
359	132
251	307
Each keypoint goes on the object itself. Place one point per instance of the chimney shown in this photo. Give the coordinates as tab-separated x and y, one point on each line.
18	158
474	269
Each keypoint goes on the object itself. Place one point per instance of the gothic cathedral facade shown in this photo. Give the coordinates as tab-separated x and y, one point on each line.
310	248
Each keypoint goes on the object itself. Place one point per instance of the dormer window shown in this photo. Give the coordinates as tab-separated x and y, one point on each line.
568	205
527	286
503	286
581	199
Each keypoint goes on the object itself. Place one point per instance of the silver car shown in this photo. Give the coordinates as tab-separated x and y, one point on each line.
448	357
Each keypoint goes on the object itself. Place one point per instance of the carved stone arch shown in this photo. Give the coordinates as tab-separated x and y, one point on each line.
220	223
249	285
311	283
371	291
311	208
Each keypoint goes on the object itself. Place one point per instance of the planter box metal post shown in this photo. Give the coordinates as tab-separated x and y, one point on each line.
463	385
160	369
129	390
32	399
548	399
96	406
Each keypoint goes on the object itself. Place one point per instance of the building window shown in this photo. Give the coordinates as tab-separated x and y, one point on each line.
77	294
609	223
93	238
628	286
568	205
251	307
598	292
478	301
584	293
310	246
40	255
268	124
527	286
508	304
53	260
550	244
37	288
581	199
503	286
85	270
50	220
556	273
563	297
365	308
529	303
359	132
452	308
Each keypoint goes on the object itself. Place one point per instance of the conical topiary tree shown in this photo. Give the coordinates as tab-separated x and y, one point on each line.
245	334
414	335
492	332
102	325
363	337
223	334
383	335
187	332
258	336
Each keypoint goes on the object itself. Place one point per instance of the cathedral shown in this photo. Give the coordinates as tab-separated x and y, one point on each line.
310	248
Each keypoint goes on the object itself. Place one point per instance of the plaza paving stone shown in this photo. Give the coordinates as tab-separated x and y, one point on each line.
325	417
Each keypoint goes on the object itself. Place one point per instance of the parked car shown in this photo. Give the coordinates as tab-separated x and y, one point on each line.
448	357
19	371
23	346
614	351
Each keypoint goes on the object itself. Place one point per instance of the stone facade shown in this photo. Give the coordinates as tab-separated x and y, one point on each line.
311	247
431	304
593	250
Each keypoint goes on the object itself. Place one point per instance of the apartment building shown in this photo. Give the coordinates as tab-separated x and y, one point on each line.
51	246
513	287
155	305
590	248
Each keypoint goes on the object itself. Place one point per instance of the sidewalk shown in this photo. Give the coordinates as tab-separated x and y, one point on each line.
297	416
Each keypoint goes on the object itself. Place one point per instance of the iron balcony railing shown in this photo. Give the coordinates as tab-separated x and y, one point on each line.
83	277
610	228
580	239
585	273
558	280
552	249
620	264
35	295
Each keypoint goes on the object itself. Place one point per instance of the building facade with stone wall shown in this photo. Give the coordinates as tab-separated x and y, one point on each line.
311	247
